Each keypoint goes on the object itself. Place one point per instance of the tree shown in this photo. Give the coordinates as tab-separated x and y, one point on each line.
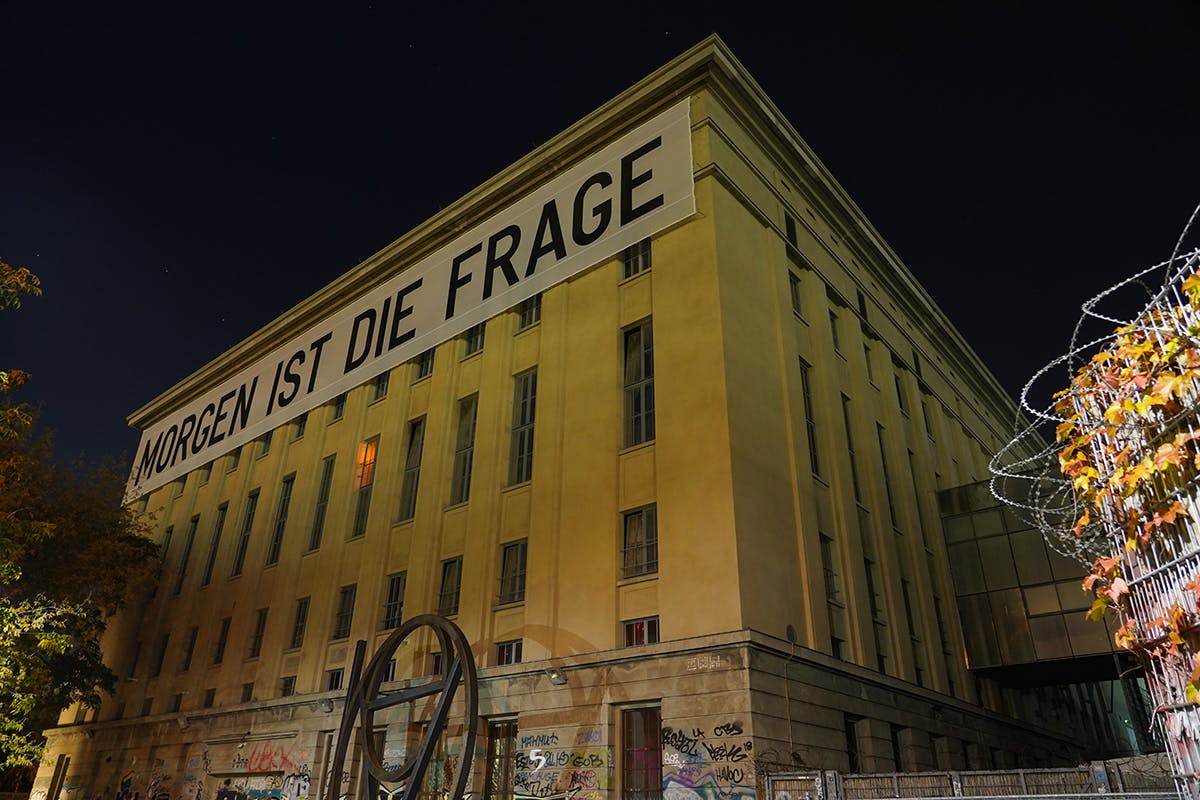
70	557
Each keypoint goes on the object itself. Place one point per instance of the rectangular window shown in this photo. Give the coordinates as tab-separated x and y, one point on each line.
850	448
520	467
512	572
137	653
833	588
247	692
501	761
641	754
299	623
337	408
256	636
508	653
210	698
287	686
205	473
529	312
794	289
333	679
635	258
464	449
833	330
900	396
393	603
222	639
862	304
299	426
239	558
264	444
810	422
323	491
179	484
344	615
850	724
189	648
211	561
451	583
147	706
161	655
641	631
639	383
789	229
163	548
928	424
424	363
379	386
908	610
389	673
364	481
235	456
639	553
187	553
281	514
472	340
412	469
867	361
887	479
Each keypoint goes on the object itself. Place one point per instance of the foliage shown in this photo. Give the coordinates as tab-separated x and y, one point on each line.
69	558
1131	449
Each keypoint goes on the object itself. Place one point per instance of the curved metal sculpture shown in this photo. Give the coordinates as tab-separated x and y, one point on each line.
364	700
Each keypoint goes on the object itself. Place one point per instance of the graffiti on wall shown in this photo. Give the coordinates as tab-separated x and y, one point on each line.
547	771
702	762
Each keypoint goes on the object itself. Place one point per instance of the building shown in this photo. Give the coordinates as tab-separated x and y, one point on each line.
657	407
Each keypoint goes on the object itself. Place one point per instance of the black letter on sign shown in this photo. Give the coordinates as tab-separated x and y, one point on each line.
316	347
504	261
629	182
352	360
201	439
395	338
603	211
456	282
548	222
292	378
149	457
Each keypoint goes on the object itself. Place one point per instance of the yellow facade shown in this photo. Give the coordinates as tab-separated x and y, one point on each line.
809	610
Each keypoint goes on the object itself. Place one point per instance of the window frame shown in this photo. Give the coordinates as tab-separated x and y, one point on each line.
636	259
450	587
513	581
524	420
648	564
649	631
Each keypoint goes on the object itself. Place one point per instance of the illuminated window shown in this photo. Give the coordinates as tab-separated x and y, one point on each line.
508	652
641	631
364	480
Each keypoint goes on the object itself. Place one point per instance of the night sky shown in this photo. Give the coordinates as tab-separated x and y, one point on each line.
180	174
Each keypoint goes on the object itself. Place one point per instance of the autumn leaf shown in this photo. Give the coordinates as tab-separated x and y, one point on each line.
1117	589
1098	610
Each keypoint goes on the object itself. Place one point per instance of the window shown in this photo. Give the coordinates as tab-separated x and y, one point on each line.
508	652
176	702
161	655
810	424
887	480
794	288
412	469
205	473
256	636
529	312
300	425
211	561
323	491
867	361
345	611
137	652
833	588
337	408
641	753
639	553
501	760
789	227
635	258
393	604
299	623
520	467
147	706
188	649
163	548
512	572
850	723
187	553
210	698
862	304
264	444
451	582
287	686
900	397
928	424
333	679
222	639
464	449
379	386
424	364
641	631
235	456
639	384
364	480
179	484
833	329
247	692
850	448
281	513
472	340
878	623
389	672
239	558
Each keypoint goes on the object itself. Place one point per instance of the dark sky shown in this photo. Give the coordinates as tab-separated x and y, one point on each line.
179	174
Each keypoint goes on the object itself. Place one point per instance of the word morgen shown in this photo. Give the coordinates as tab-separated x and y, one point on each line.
633	188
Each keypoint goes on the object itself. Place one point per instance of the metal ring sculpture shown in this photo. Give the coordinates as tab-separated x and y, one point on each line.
363	700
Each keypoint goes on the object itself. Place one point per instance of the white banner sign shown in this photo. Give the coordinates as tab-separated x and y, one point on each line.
636	186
